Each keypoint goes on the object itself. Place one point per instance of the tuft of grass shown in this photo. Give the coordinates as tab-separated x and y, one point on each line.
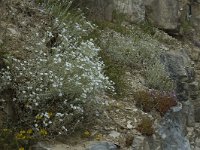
157	78
186	26
148	28
115	72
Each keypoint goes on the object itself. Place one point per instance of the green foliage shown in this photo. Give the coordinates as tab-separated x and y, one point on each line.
116	73
60	9
102	25
186	26
11	140
148	28
7	140
118	17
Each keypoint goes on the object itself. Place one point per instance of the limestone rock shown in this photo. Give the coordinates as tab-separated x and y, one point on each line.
195	53
13	32
103	146
40	146
171	131
175	65
134	10
114	134
163	13
140	143
99	9
195	15
197	111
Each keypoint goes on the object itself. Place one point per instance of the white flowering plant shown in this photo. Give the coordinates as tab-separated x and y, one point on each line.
57	85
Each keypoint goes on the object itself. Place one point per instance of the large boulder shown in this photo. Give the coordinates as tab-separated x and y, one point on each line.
195	15
96	9
197	111
133	10
163	14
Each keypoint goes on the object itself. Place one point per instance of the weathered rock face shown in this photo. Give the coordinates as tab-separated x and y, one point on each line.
140	142
177	64
134	10
163	13
194	87
172	127
172	132
195	14
98	9
103	146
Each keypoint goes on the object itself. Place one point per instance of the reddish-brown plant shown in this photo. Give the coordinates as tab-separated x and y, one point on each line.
146	127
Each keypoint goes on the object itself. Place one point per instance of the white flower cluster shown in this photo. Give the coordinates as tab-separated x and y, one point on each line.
61	79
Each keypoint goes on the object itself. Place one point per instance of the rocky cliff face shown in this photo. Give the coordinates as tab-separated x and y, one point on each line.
134	9
179	129
165	14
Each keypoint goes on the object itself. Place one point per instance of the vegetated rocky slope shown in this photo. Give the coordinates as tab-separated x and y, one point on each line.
137	57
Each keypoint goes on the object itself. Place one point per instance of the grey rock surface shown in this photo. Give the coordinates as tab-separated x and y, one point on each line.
134	10
41	146
140	143
195	15
172	133
103	146
175	65
163	13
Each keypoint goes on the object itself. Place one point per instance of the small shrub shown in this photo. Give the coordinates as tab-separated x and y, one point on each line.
115	72
155	100
137	50
164	101
146	126
57	85
129	50
144	100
